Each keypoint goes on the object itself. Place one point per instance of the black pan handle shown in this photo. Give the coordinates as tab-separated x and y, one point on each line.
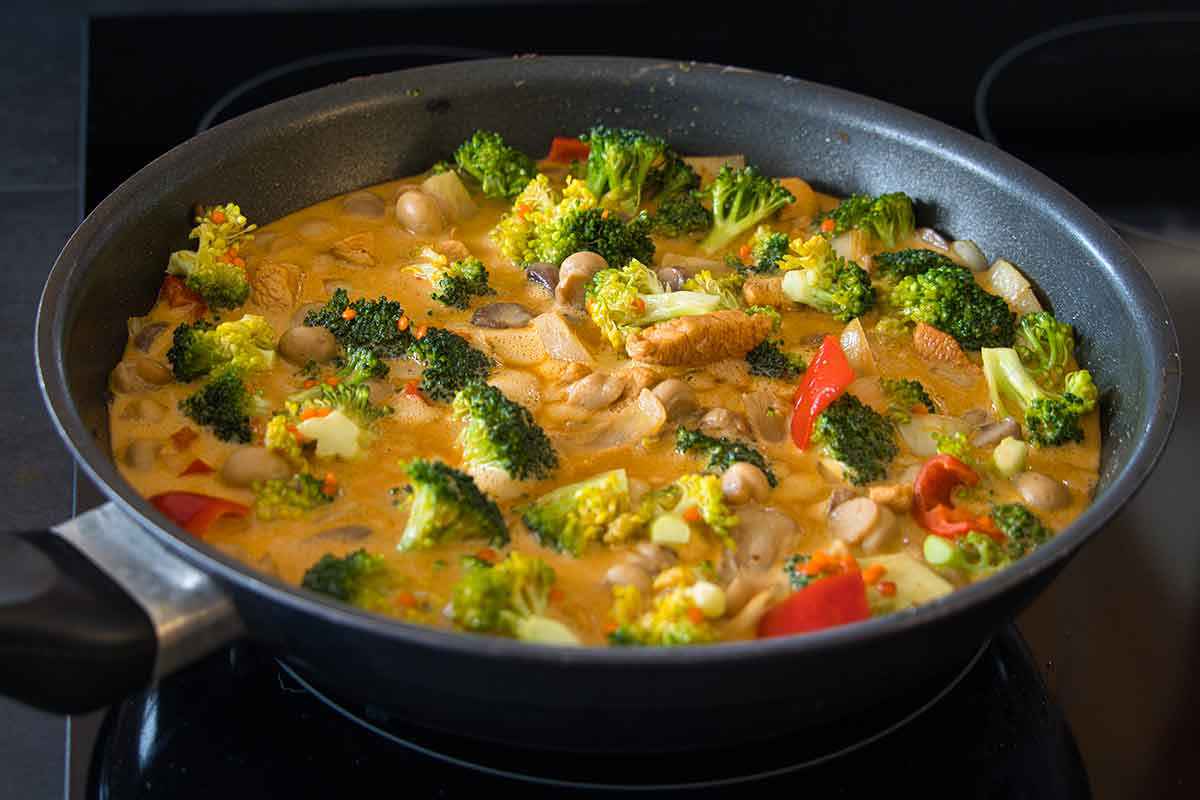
97	609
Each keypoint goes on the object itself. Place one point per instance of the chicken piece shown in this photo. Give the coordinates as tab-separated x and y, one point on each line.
703	339
934	345
356	249
765	292
274	285
805	206
896	496
636	377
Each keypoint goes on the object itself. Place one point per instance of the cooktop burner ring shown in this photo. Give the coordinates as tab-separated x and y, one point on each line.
441	754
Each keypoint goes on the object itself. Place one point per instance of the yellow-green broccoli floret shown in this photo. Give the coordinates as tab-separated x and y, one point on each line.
674	619
569	518
817	277
1045	346
448	506
214	270
622	301
289	498
279	438
703	493
509	599
741	199
619	162
454	282
728	286
1048	418
247	344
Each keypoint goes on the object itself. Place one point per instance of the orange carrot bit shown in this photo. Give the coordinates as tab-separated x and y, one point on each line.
611	627
310	413
887	588
828	225
239	261
217	216
310	383
744	253
692	514
403	323
817	564
873	573
488	554
523	209
557	595
183	438
420	331
349	314
695	615
639	304
604	214
332	380
919	408
406	599
849	563
412	388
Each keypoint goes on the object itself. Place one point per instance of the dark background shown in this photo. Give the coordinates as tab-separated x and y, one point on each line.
1117	634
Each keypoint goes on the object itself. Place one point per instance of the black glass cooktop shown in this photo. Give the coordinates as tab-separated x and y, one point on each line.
241	725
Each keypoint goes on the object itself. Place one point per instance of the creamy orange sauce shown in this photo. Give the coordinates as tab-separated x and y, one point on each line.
287	548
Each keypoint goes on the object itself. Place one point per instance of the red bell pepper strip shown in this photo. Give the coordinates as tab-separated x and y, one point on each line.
197	467
176	293
195	512
933	507
825	603
824	381
565	149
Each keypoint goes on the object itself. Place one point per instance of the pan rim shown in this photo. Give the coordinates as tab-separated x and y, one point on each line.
913	130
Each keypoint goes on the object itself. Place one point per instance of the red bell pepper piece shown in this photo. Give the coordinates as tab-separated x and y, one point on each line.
195	512
933	507
197	467
824	381
176	293
565	149
825	603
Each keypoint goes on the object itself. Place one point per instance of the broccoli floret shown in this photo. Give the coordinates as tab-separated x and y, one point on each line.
974	555
766	249
619	162
1045	345
728	286
279	438
768	360
949	299
598	230
358	578
674	619
681	214
741	199
956	444
214	270
793	568
447	506
533	207
361	365
816	276
197	349
1049	419
721	452
888	217
289	498
674	178
364	324
501	433
859	437
1024	530
903	395
352	399
224	404
509	599
891	268
703	493
502	170
633	523
569	518
622	301
450	363
454	283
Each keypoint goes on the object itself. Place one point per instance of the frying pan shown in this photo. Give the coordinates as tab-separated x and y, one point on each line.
117	598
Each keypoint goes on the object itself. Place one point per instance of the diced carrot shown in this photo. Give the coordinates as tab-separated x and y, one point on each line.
403	323
887	588
873	573
692	514
310	383
488	554
744	253
695	615
406	599
420	331
557	595
332	380
217	216
349	313
828	225
311	413
412	388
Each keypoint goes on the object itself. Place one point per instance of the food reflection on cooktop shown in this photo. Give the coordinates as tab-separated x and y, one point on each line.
618	395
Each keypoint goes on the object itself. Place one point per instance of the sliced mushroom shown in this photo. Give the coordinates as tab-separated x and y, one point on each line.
419	213
576	270
768	422
356	249
153	372
143	409
141	453
543	274
654	557
723	422
1041	491
303	344
672	277
992	433
677	398
364	204
595	391
742	483
881	533
760	535
145	337
501	315
246	465
125	379
628	574
976	417
852	520
839	495
344	533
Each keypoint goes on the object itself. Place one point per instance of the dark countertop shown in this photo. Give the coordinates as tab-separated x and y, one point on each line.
1135	709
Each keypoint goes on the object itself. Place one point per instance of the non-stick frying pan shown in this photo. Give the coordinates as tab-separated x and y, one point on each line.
112	600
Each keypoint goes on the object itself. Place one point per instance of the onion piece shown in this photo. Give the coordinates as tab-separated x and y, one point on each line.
559	340
707	167
451	195
918	433
857	349
1008	282
970	254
